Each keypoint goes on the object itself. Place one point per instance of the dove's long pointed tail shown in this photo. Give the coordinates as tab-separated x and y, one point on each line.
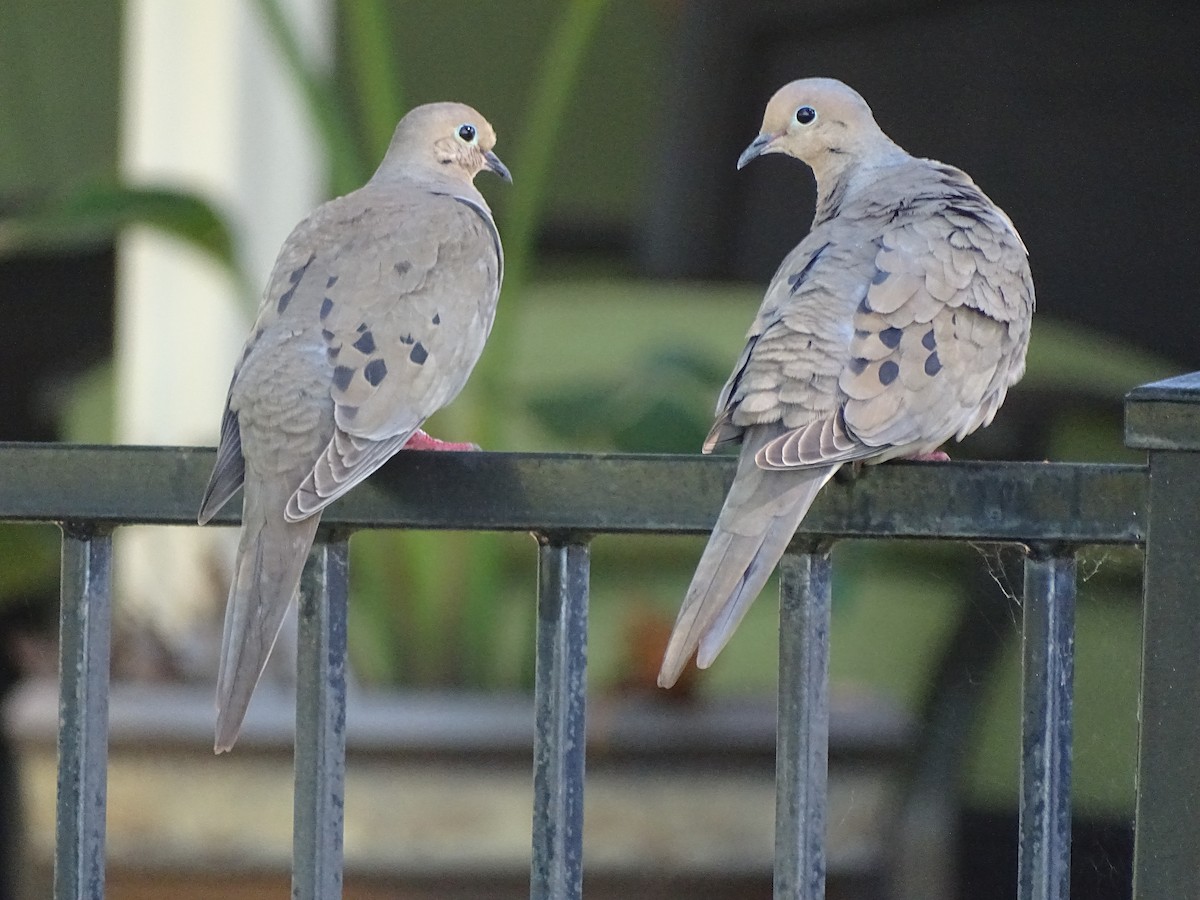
759	517
271	558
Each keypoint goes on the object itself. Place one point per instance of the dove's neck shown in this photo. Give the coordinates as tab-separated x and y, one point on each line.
840	174
436	179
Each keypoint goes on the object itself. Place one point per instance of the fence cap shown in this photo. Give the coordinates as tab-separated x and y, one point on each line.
1164	415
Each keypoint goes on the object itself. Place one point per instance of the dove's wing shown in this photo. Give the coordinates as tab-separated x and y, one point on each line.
940	331
798	345
404	316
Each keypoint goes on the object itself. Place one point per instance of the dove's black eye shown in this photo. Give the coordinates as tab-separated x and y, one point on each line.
466	132
806	115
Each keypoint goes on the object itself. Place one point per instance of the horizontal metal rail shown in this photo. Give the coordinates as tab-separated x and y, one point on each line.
1068	503
1052	509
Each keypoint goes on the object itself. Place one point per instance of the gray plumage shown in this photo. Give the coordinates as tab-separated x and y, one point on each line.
898	323
376	311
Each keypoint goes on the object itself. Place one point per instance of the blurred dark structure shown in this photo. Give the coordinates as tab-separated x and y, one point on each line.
58	310
1078	118
987	850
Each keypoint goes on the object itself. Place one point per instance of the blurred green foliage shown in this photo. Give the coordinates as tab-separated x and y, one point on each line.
92	214
58	93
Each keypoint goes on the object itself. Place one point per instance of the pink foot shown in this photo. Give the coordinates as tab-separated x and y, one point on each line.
935	456
422	441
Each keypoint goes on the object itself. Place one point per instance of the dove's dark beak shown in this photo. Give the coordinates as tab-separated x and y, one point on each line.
492	163
757	147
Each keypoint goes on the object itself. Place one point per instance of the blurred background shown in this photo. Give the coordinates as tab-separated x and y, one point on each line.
154	155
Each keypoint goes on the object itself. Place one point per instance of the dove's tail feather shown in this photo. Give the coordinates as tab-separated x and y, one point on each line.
270	561
759	517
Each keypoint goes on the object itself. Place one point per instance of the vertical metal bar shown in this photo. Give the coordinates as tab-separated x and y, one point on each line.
1166	849
1048	665
802	739
560	692
320	725
83	662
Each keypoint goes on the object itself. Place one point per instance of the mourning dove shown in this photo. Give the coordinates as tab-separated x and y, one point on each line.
899	322
375	313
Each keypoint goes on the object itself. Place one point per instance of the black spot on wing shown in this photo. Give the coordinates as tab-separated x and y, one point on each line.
858	365
375	371
437	319
863	306
365	343
327	334
342	375
293	279
418	354
362	326
285	298
933	365
331	282
929	341
880	276
331	353
326	307
297	274
795	281
890	337
888	372
406	339
402	267
250	344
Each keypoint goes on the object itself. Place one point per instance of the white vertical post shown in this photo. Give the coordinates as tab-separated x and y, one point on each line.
207	106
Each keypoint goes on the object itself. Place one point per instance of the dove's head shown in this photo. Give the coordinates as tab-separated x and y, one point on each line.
450	138
819	121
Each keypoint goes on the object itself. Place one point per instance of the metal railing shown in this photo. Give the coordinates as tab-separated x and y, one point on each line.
1051	509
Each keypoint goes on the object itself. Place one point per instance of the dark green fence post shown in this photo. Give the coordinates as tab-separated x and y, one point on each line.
1047	701
802	741
84	645
320	755
560	729
1164	419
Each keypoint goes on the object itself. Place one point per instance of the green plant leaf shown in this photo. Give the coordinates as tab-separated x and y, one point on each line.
95	213
553	88
372	63
348	167
661	405
30	561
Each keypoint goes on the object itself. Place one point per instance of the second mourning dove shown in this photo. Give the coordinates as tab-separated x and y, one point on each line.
375	313
899	322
